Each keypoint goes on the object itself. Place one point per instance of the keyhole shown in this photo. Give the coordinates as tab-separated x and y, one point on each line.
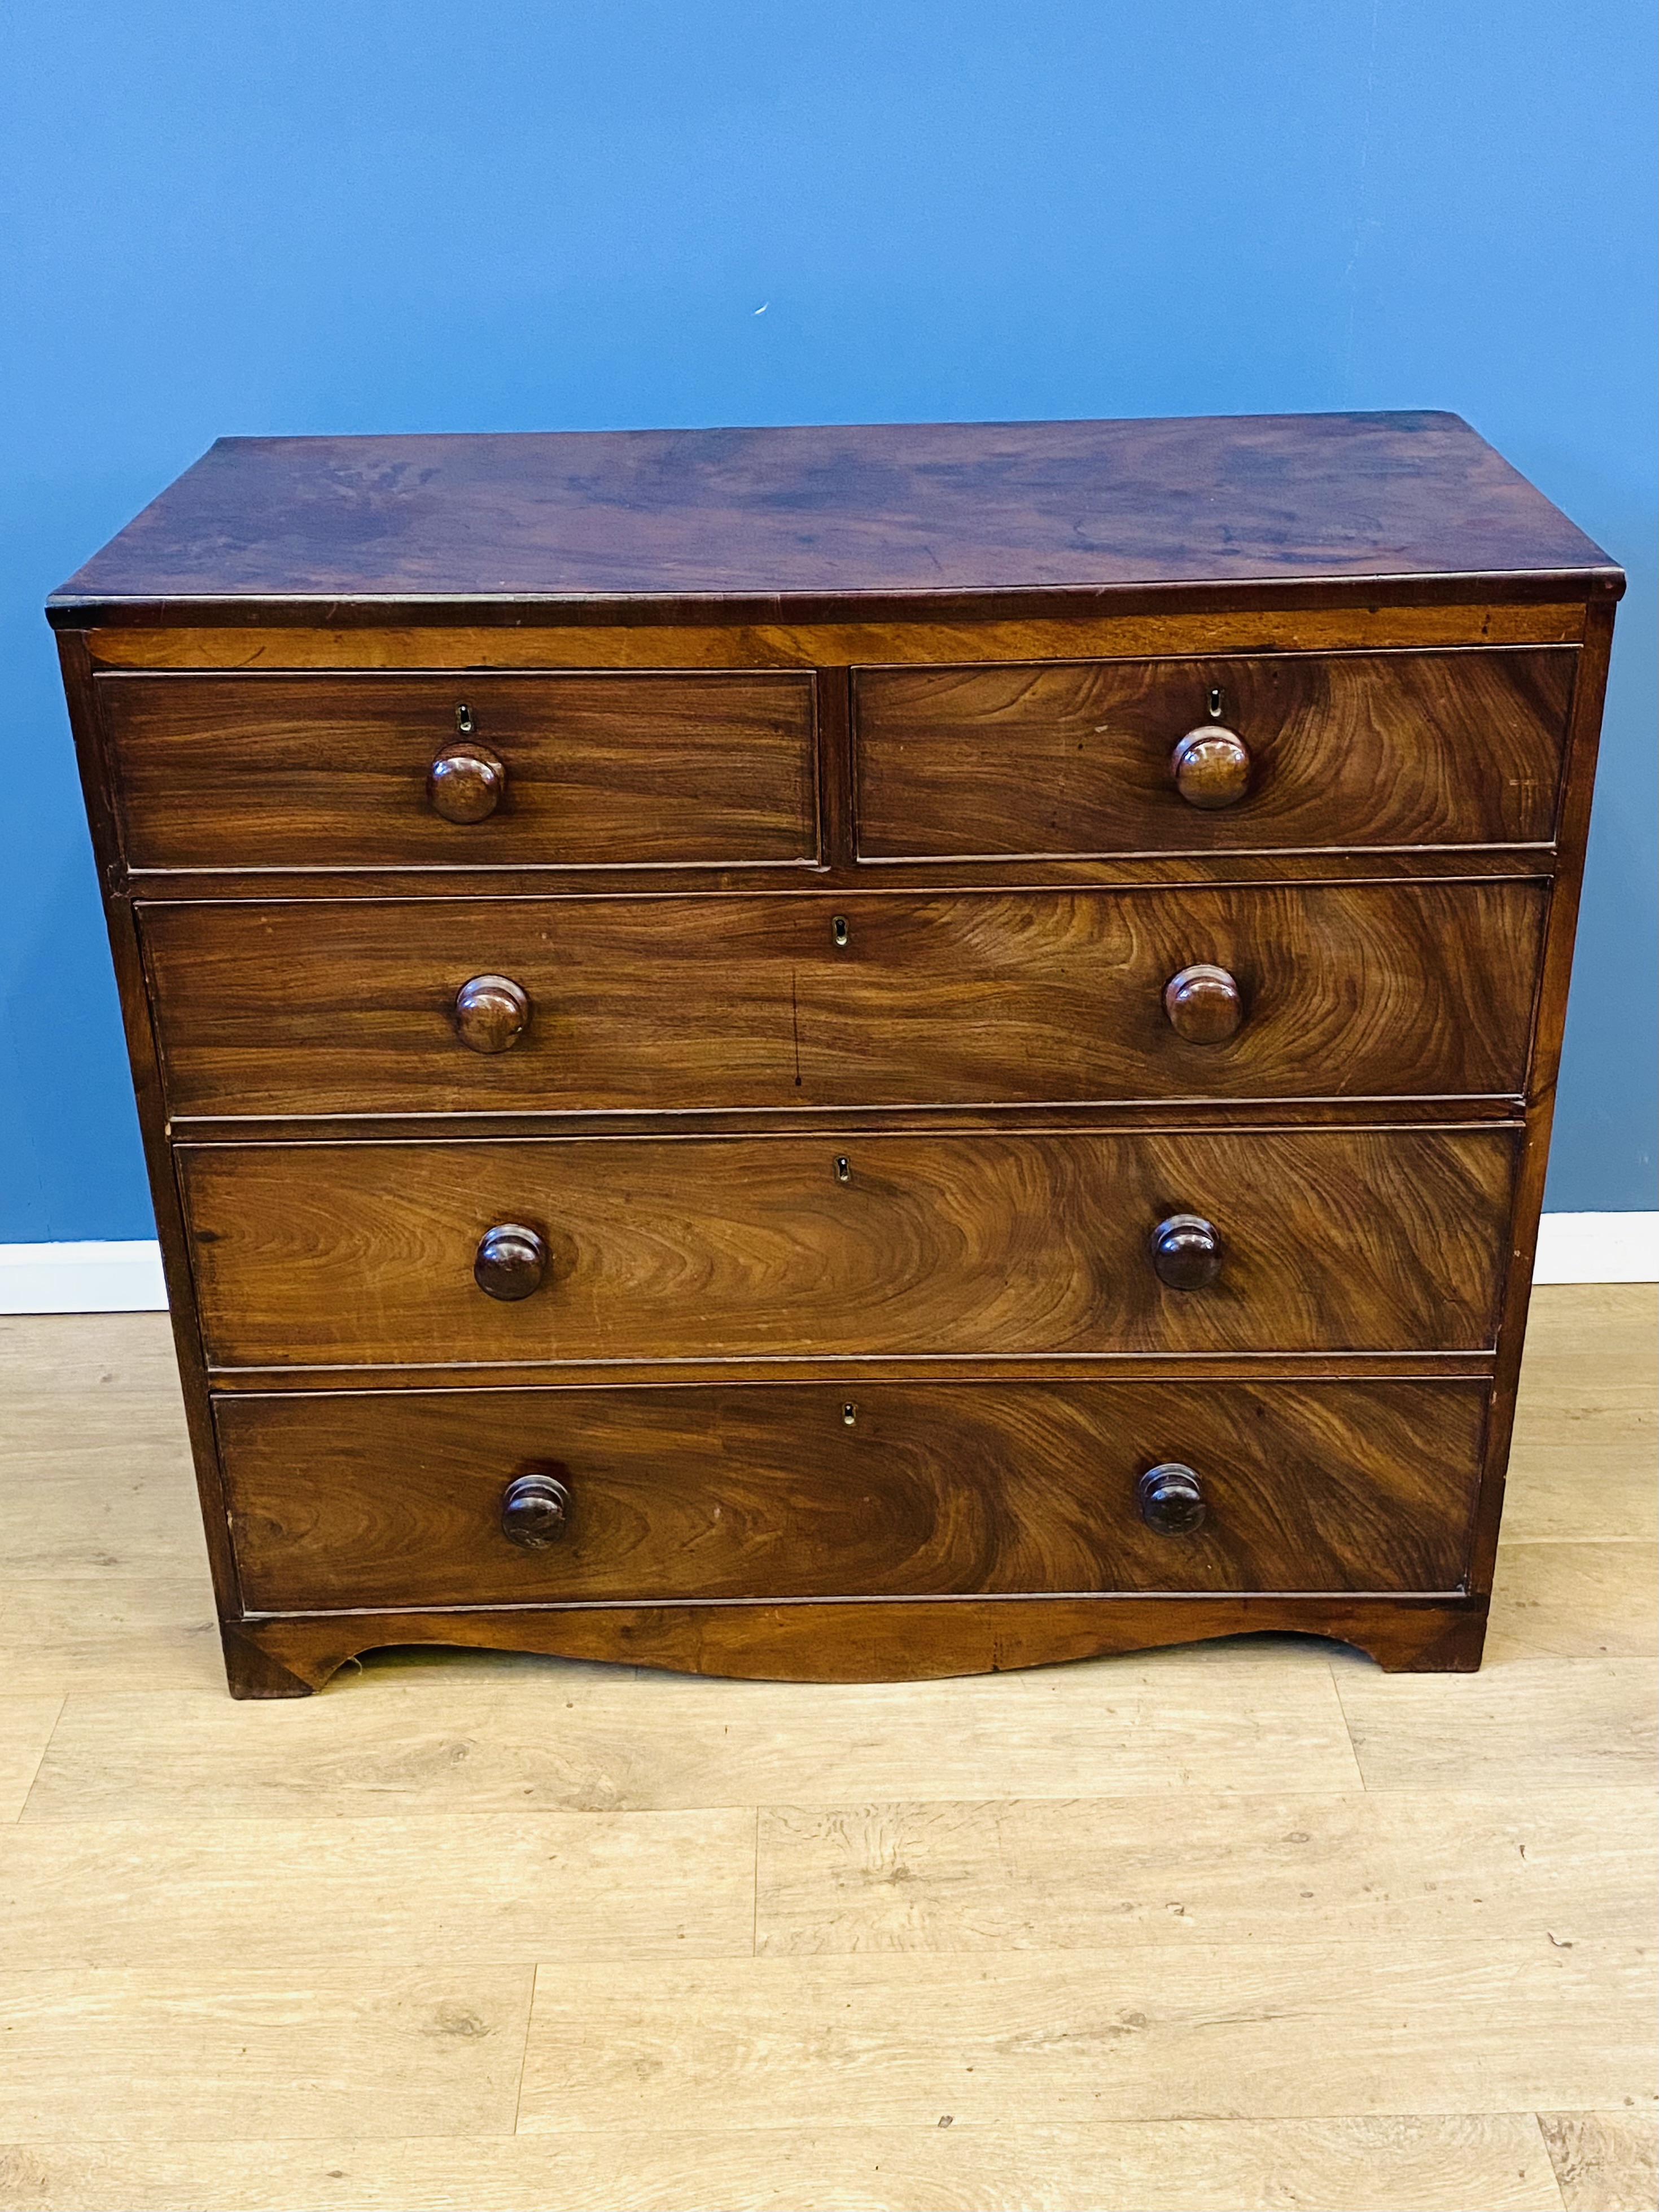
1215	702
843	1168
849	1415
838	929
464	721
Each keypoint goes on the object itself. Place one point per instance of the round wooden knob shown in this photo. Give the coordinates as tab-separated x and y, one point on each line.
1186	1252
534	1511
1211	767
491	1013
1170	1500
512	1262
1203	1004
465	781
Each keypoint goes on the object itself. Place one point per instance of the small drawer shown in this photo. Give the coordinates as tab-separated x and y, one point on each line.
547	1250
1289	752
669	1005
553	1497
463	771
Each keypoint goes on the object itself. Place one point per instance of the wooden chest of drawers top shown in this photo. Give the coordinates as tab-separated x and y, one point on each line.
965	521
737	1028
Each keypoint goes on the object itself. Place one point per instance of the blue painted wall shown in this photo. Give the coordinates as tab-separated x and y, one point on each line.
412	216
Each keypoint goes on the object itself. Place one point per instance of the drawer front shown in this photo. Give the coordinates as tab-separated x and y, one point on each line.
321	1255
594	770
1346	749
355	1006
405	1498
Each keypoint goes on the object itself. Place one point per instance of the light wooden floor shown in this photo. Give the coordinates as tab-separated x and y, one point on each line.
1235	1926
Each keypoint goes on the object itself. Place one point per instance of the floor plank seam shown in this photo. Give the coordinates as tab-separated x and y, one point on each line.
524	2050
1549	2156
34	1771
1348	1730
754	1925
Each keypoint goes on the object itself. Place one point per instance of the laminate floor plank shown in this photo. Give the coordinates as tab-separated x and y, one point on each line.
1576	1601
1604	2162
1586	1419
1110	1873
88	1381
1496	2162
76	1633
26	1727
1532	1725
1145	2032
592	1738
277	1955
498	1889
128	1511
150	2054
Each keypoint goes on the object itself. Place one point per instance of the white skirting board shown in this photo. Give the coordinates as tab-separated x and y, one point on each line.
70	1278
67	1278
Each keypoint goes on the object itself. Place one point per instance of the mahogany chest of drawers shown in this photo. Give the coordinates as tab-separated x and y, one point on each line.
845	1053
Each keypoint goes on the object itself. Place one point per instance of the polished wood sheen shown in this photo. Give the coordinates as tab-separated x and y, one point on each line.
1361	750
1169	1499
534	1511
367	771
1282	626
756	1247
466	782
1187	1252
491	1013
1204	1004
935	515
1210	767
673	1005
510	1263
396	1498
845	1053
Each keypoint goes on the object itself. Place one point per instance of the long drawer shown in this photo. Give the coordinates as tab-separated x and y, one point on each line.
515	1496
1338	750
356	1007
336	771
372	1254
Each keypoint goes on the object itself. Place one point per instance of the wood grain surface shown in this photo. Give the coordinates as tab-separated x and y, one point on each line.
1421	990
651	643
851	1640
1288	626
1097	2034
277	1957
754	1248
1419	2163
394	1498
841	516
321	771
1346	750
1039	1874
1604	2162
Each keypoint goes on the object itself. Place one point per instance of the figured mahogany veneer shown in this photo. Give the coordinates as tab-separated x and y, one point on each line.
675	1004
845	1053
578	771
1362	750
758	1248
881	1490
